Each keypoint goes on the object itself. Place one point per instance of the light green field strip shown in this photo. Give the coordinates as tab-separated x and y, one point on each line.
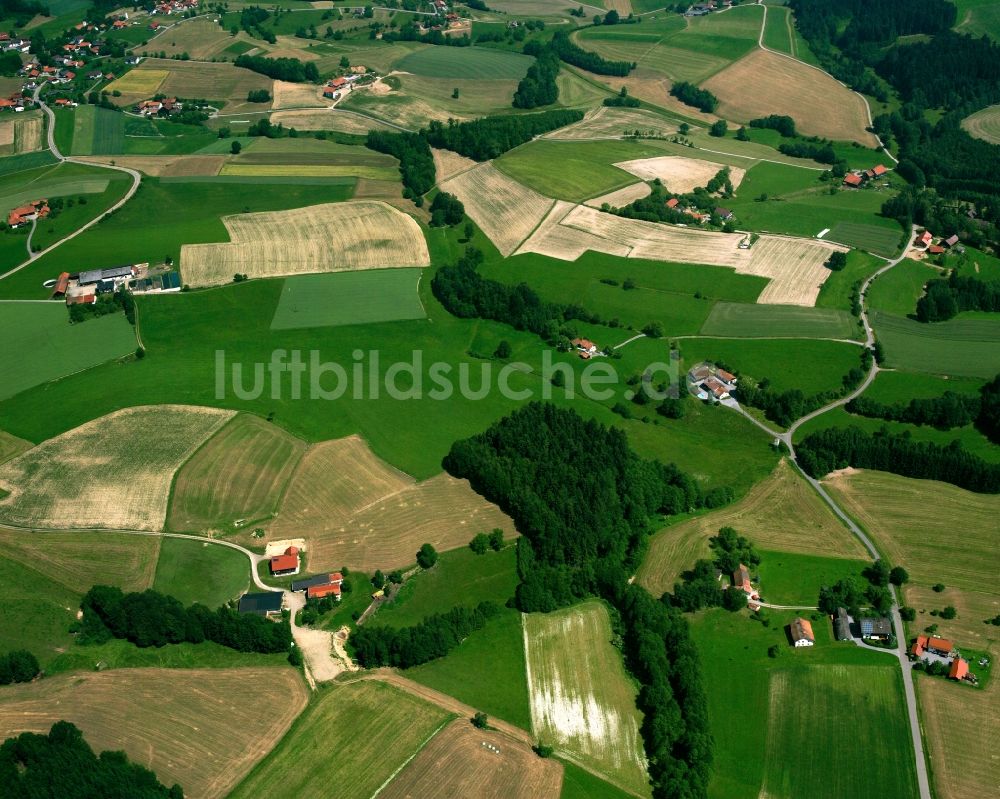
52	188
780	321
314	170
968	346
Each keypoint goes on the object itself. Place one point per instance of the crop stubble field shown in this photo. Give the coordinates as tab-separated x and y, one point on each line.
582	699
780	513
356	510
202	728
679	174
984	124
457	762
239	473
321	238
613	123
112	472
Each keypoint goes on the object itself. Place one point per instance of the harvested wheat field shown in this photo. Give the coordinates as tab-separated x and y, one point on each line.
613	123
163	165
28	133
336	119
621	197
202	728
238	475
72	559
582	699
296	95
795	267
463	761
764	83
504	209
333	237
964	764
679	174
356	510
111	473
448	164
780	513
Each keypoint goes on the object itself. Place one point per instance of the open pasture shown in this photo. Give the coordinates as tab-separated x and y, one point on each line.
240	473
349	298
896	292
752	321
965	346
195	571
58	348
680	175
296	95
336	120
12	446
202	728
764	83
143	81
978	18
457	762
354	736
97	131
873	238
473	63
614	123
504	209
113	472
242	169
201	38
582	699
780	513
984	124
321	238
76	560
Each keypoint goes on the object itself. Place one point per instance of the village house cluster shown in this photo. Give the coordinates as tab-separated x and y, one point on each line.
710	382
287	563
700	217
335	86
926	241
857	178
931	649
27	213
164	107
701	9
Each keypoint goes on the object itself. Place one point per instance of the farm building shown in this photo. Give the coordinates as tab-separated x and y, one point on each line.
801	633
924	239
62	283
935	249
959	669
707	381
320	591
951	241
842	625
877	629
585	346
741	580
853	180
115	273
285	563
723	213
319	579
37	209
925	643
267	603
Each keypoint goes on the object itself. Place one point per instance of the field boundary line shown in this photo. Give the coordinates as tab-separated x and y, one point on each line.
406	762
771	338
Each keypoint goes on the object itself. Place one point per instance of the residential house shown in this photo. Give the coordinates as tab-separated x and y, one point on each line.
959	669
716	388
319	579
22	215
286	563
672	202
877	629
727	377
585	347
853	180
924	239
723	213
951	241
842	625
801	633
263	604
741	580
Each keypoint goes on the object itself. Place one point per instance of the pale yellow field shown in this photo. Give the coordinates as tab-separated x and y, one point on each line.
303	170
111	473
679	174
7	131
202	728
139	81
218	81
961	727
621	197
200	38
28	133
163	165
297	95
356	510
582	699
984	124
506	210
795	267
613	123
781	513
764	82
341	121
448	164
332	237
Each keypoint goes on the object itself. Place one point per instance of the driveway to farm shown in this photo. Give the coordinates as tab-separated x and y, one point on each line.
51	135
786	438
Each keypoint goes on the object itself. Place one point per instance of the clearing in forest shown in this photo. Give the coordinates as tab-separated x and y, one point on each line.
113	472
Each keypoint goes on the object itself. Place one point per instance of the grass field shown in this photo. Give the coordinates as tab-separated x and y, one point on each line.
201	38
766	83
792	579
58	348
831	704
896	512
978	18
474	63
322	238
965	346
892	387
97	131
360	512
781	513
205	573
879	240
457	763
582	699
369	728
778	31
109	473
203	729
460	578
139	81
349	298
604	122
586	168
487	671
744	320
239	474
580	784
11	446
308	170
36	612
897	291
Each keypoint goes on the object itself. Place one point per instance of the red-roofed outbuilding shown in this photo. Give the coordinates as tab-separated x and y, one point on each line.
959	669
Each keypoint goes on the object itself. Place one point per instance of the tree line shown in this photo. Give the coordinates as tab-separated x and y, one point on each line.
583	502
944	412
689	94
18	665
434	637
538	86
409	32
489	137
576	56
62	764
944	298
150	618
785	125
416	162
288	69
839	447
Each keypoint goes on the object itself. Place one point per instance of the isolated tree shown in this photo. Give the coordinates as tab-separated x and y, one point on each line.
898	575
469	231
455	93
878	573
742	134
836	261
480	543
395	577
734	600
496	539
773	651
908	614
427	556
345	62
235	148
611	18
949	613
480	721
503	350
378	579
718	129
684	129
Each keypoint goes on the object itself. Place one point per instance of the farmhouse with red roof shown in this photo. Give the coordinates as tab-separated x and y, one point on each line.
287	563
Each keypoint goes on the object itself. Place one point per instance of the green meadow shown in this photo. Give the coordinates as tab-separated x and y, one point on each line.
474	63
752	321
890	387
794	579
896	292
195	572
97	131
966	346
